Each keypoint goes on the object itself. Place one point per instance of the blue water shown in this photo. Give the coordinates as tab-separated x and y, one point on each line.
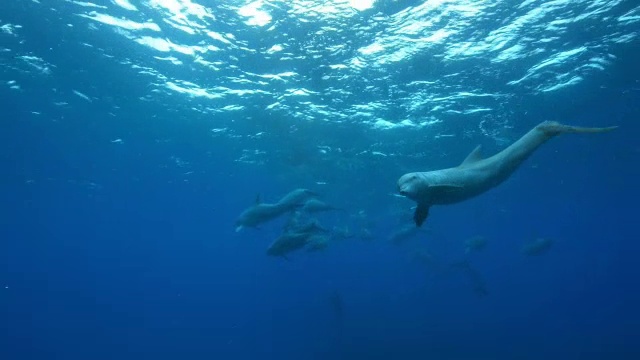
134	133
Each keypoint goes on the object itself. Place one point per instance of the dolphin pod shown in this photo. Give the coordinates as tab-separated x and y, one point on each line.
475	175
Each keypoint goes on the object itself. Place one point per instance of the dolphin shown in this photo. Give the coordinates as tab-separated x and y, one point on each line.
308	227
315	205
295	237
295	223
288	242
476	174
258	214
296	198
262	212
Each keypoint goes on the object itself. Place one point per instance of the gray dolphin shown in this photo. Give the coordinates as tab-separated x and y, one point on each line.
314	205
296	198
476	174
287	243
292	241
297	236
308	227
262	212
258	214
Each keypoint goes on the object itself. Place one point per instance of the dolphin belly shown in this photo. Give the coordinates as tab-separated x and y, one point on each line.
461	185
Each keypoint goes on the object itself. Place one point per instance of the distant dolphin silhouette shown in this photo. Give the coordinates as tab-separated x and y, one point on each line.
538	246
476	175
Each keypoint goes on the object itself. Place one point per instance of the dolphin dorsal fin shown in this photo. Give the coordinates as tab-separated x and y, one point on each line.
474	156
258	201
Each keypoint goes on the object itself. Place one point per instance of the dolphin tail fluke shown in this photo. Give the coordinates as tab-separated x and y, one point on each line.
553	128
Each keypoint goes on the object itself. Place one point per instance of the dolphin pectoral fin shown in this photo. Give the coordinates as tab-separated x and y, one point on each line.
421	213
474	156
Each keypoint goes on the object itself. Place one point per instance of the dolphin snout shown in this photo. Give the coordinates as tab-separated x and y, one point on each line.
402	190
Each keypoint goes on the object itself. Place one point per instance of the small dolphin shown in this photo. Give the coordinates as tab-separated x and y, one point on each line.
315	205
298	235
258	214
287	243
262	212
309	227
295	223
475	174
296	198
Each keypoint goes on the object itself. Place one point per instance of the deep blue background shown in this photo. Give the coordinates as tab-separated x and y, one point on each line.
147	266
108	253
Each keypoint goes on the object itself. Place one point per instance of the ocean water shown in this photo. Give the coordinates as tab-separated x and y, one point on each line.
134	133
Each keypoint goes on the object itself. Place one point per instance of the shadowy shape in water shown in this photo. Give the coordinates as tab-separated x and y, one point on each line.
405	234
537	247
337	306
435	265
475	244
478	284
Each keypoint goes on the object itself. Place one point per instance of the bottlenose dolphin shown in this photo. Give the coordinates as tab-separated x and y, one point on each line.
296	198
476	175
297	236
261	212
287	243
315	205
258	214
